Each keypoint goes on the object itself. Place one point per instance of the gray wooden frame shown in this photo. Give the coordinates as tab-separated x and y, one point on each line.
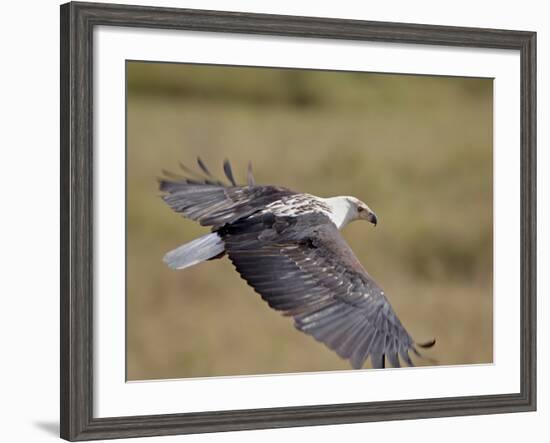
77	23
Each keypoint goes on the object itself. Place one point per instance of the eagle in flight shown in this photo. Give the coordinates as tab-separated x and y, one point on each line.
287	246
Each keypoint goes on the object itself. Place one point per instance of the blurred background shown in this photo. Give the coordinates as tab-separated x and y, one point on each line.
416	149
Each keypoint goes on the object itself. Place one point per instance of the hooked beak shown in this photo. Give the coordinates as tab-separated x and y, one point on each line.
372	218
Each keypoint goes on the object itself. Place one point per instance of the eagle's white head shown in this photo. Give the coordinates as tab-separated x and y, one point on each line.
346	209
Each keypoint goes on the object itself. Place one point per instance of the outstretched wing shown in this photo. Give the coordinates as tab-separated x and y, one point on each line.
210	201
304	268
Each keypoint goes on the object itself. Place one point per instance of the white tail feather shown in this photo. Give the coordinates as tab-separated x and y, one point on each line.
196	251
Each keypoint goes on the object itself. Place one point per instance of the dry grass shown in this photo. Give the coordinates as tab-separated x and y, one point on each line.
418	150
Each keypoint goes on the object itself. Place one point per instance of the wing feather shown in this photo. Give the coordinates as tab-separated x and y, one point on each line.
306	270
203	167
210	202
229	172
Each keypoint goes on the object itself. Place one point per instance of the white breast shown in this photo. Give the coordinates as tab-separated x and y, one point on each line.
341	210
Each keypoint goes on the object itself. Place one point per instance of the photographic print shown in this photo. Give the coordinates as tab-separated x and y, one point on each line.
261	213
291	220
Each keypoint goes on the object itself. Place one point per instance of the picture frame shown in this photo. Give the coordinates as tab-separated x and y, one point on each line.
78	21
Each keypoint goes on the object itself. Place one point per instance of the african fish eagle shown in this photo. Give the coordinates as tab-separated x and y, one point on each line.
288	247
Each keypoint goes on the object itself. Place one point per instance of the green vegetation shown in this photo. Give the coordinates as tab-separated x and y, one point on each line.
417	149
